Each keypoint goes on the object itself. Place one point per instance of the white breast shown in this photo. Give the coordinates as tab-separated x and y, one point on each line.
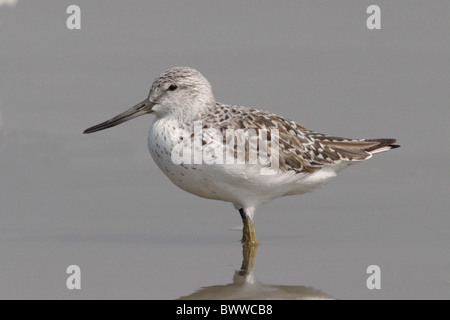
164	135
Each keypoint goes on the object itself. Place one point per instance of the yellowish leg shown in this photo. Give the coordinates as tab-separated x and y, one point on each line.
248	232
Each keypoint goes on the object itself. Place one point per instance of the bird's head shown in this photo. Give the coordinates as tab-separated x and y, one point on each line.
179	92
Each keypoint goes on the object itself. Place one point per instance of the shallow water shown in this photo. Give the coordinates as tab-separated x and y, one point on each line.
100	202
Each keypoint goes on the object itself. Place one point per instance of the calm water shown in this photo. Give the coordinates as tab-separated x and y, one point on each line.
100	202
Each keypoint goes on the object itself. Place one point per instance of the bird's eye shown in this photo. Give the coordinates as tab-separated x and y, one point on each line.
173	87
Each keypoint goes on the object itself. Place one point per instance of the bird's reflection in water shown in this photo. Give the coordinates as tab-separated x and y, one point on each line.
244	286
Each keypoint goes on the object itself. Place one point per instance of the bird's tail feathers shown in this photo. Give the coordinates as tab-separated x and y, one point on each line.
381	145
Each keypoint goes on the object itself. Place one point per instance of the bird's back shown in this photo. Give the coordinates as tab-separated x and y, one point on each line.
300	149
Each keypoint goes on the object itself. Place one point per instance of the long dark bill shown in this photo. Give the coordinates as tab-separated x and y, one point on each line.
136	111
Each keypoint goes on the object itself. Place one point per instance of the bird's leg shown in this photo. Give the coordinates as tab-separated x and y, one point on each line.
248	232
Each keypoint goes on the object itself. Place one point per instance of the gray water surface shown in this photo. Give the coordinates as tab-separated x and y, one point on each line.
99	201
